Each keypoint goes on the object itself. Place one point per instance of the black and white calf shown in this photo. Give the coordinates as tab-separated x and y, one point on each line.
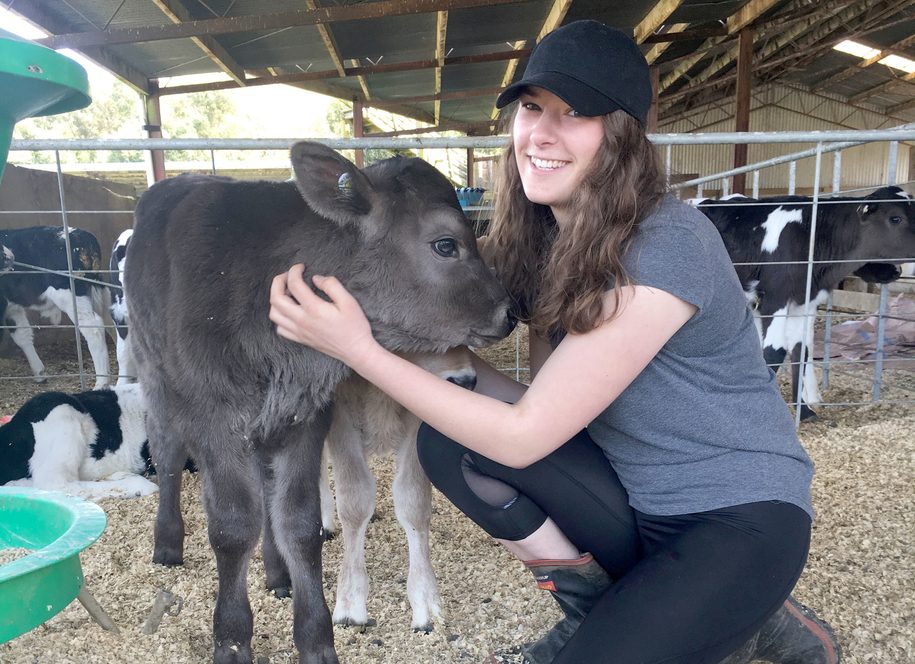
50	295
368	423
92	444
119	313
768	239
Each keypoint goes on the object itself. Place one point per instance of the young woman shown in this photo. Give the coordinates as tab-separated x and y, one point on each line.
649	476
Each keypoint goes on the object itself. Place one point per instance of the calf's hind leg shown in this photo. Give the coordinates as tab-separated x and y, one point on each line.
169	455
294	504
278	581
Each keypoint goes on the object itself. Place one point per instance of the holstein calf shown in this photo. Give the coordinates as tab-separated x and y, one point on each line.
368	423
49	294
768	239
91	444
119	313
253	409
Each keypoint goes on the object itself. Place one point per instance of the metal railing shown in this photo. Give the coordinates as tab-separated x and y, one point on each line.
823	142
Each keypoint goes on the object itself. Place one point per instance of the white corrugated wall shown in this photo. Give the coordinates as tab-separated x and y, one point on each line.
863	167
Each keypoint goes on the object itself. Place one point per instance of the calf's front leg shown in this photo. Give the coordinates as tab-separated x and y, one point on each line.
295	511
234	508
355	494
413	506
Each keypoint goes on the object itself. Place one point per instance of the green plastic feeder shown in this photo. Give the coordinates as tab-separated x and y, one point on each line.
35	81
56	528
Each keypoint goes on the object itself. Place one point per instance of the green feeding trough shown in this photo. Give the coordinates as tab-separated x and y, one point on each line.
35	81
54	528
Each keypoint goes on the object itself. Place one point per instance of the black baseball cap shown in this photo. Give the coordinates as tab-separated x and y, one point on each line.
592	67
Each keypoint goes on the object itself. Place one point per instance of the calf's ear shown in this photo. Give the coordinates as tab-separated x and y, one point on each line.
865	209
331	184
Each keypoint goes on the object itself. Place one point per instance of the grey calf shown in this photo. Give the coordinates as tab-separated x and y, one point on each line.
252	408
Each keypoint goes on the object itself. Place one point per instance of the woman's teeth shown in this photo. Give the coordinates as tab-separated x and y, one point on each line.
547	165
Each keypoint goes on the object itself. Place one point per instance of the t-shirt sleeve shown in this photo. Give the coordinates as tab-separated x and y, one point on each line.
673	259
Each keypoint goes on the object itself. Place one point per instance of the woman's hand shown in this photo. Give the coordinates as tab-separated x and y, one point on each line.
337	328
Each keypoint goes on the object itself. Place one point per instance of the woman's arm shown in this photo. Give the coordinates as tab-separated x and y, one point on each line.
577	382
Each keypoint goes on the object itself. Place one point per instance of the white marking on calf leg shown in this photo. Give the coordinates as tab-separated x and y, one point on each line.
91	326
775	223
800	329
413	506
127	371
24	337
775	336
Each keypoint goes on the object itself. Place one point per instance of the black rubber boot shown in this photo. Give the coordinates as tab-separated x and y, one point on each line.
575	585
794	635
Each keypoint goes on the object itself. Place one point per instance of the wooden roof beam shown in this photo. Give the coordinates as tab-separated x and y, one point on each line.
347	94
225	25
848	72
657	49
812	32
745	16
177	13
441	30
654	19
302	77
553	20
329	42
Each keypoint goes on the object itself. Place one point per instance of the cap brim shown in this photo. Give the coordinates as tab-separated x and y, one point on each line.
580	96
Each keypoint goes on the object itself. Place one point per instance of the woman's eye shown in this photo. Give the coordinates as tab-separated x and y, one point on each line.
446	247
575	114
530	106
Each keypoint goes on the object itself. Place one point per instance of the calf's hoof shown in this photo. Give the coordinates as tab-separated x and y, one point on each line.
40	378
357	625
424	629
808	415
168	557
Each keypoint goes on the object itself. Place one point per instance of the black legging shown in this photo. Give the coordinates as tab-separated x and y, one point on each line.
689	589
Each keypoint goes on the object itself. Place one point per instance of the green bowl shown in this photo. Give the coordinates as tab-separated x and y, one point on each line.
35	81
56	527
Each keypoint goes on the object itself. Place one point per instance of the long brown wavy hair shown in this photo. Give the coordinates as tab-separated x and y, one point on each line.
558	274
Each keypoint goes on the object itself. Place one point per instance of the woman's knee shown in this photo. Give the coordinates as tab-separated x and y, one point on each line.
438	455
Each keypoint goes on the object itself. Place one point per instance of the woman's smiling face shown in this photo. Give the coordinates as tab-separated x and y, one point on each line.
554	148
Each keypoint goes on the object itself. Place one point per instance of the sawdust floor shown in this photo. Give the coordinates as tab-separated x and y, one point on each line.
860	574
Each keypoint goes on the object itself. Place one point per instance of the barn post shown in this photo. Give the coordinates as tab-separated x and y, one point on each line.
358	131
742	109
153	128
469	166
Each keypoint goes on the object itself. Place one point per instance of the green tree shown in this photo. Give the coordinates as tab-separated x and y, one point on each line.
199	115
113	115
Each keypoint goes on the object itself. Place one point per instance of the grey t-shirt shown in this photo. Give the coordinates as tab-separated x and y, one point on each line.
703	426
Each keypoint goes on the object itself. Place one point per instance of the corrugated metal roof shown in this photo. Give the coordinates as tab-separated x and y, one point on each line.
394	49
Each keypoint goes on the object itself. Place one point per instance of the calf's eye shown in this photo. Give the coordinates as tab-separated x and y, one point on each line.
895	220
446	247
